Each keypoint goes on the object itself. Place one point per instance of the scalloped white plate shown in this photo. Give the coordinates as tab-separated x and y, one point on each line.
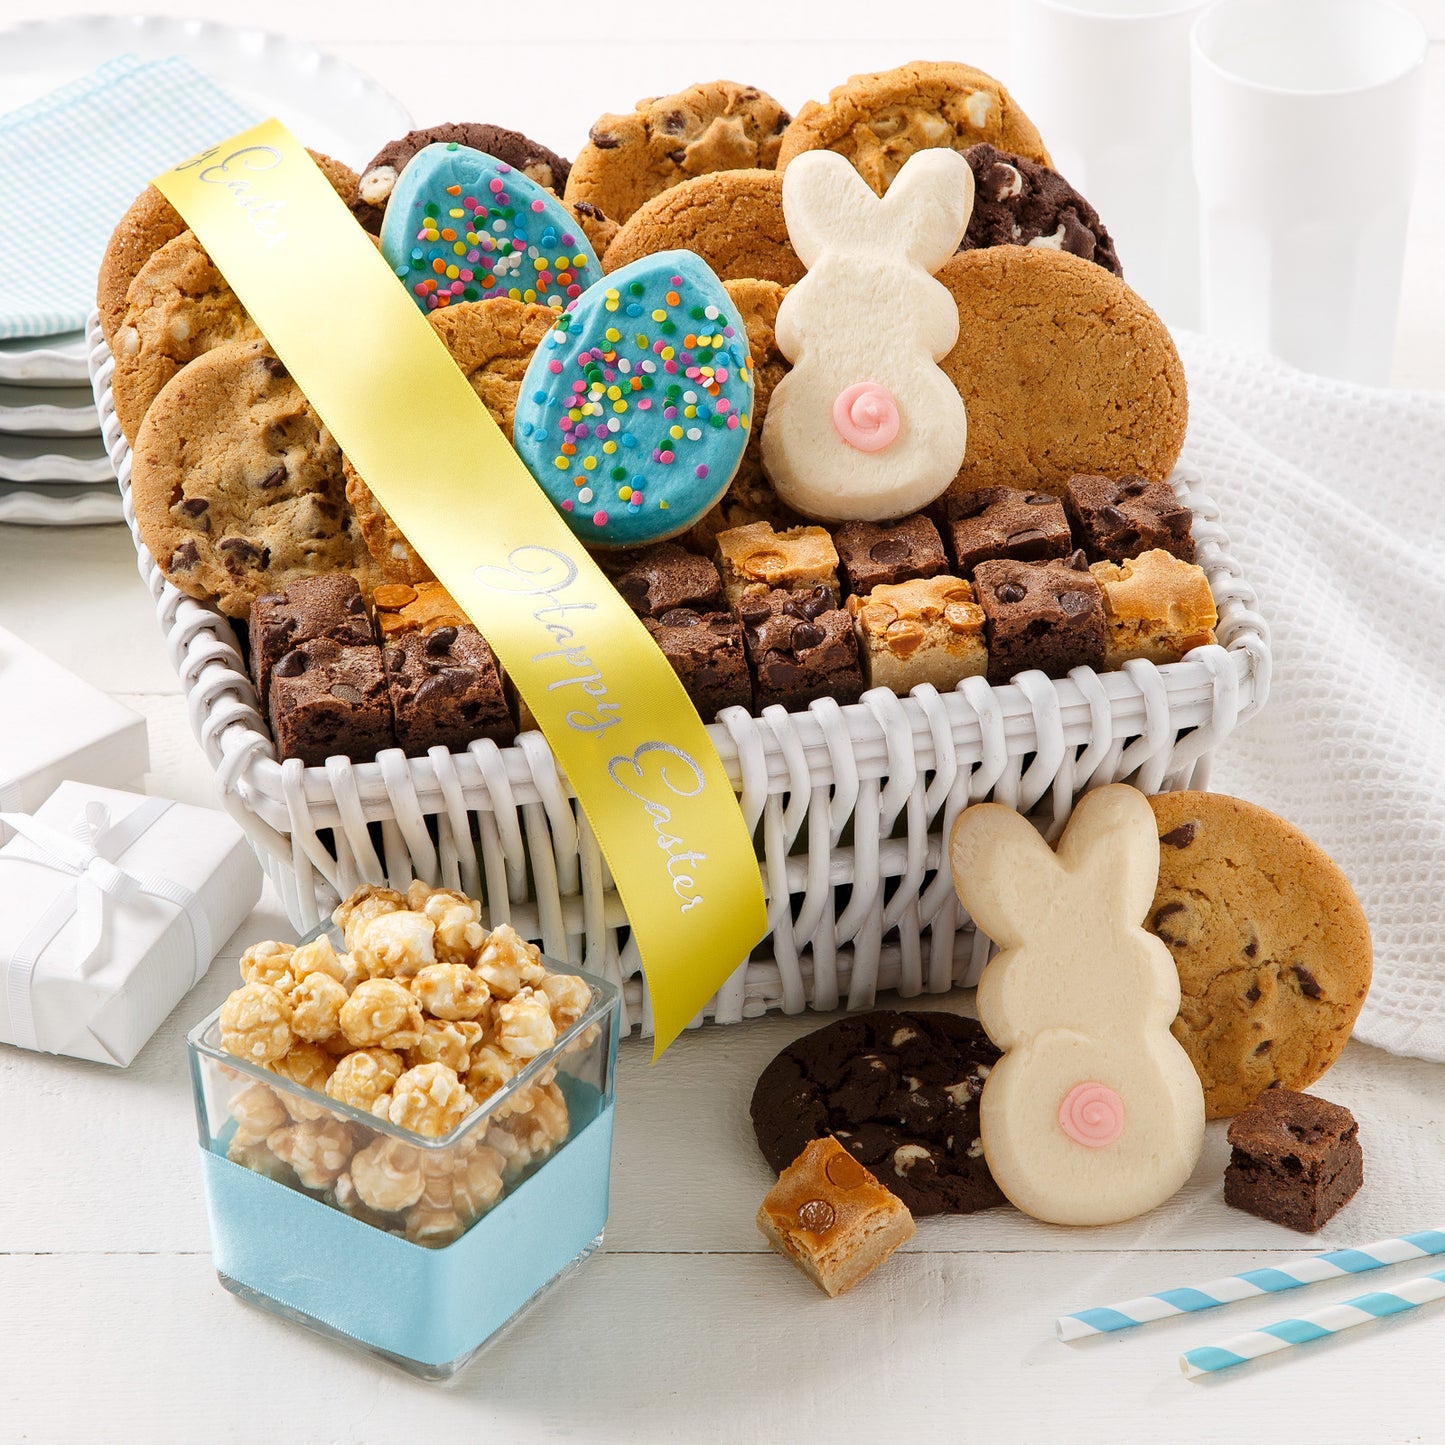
46	411
73	506
44	360
329	105
47	461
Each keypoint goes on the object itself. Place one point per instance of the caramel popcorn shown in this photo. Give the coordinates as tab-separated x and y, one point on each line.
256	1023
394	945
491	1068
309	1066
318	1150
507	961
387	1175
268	963
450	991
457	1192
257	1111
527	1137
382	1011
366	903
316	1004
457	918
568	998
445	1041
362	1077
319	956
430	1099
259	1158
524	1024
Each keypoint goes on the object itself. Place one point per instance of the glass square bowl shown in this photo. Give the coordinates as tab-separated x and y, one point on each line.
485	1218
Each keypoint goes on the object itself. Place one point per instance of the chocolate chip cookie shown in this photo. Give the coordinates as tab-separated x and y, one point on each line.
373	187
237	484
178	307
1271	944
1017	202
150	222
717	125
732	219
899	1091
492	341
1062	369
878	121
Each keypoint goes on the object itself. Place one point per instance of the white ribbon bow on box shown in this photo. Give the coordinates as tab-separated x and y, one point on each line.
88	855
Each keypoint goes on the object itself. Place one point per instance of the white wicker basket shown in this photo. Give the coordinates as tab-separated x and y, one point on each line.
849	805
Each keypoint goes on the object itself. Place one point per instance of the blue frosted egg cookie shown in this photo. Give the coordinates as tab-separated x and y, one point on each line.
463	226
636	406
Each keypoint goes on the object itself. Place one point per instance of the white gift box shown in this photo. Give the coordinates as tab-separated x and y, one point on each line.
54	726
112	906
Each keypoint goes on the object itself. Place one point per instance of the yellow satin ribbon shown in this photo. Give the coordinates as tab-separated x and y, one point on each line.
617	718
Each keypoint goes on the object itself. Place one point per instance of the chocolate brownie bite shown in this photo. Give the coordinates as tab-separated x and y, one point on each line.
1114	521
375	184
326	699
800	646
875	554
706	652
1018	202
328	605
657	579
899	1091
1044	615
1295	1159
996	522
446	688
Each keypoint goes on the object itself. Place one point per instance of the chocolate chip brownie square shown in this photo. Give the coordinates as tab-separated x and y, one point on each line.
997	522
1295	1159
657	579
706	652
1044	615
876	554
1113	521
329	699
446	689
800	646
328	605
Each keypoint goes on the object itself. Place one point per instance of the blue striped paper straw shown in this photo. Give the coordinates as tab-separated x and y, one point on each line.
1288	1274
1208	1359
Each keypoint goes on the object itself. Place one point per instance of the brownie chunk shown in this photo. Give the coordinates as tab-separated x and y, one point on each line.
875	554
1296	1159
899	1091
1018	202
658	578
996	522
329	605
446	688
800	646
706	652
1045	615
326	699
1114	521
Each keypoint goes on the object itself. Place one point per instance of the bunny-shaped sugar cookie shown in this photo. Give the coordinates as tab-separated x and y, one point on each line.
1095	1113
865	426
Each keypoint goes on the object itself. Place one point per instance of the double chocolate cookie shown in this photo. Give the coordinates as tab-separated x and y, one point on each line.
899	1091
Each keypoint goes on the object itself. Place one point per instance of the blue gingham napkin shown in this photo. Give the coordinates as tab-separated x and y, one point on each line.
74	161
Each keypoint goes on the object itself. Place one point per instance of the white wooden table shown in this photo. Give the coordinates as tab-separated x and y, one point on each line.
112	1324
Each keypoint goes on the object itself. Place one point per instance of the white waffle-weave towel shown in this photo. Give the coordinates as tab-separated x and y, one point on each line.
74	160
1334	499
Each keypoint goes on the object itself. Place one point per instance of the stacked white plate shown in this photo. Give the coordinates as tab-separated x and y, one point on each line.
54	470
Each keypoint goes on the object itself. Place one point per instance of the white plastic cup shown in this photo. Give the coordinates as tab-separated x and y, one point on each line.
1107	84
1306	142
